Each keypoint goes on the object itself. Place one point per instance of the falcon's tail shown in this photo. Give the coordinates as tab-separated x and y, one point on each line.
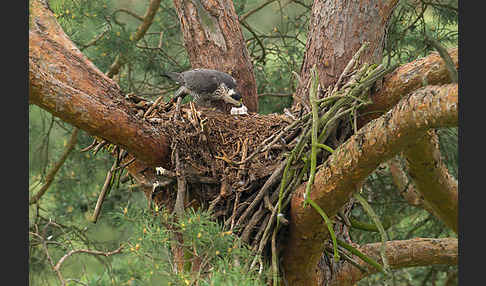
175	76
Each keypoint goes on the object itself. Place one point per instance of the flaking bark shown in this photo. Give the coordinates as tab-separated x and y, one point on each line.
337	30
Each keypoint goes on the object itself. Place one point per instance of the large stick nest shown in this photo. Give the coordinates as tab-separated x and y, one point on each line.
243	168
213	144
225	159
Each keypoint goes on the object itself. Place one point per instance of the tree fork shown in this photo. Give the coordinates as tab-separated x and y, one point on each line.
351	163
336	33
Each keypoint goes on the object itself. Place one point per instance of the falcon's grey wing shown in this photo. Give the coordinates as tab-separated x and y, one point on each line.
208	79
203	81
225	78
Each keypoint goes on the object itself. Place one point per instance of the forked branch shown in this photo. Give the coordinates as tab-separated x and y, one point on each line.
340	176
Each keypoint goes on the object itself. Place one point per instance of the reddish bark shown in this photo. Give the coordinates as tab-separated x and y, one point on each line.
433	181
400	254
213	39
405	79
337	30
64	82
351	163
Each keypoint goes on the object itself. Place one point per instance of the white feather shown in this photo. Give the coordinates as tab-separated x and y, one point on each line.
239	110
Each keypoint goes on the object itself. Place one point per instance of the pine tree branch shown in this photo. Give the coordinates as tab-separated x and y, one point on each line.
406	79
147	20
400	254
247	14
433	181
58	265
353	161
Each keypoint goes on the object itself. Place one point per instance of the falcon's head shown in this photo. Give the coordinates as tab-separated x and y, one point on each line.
228	95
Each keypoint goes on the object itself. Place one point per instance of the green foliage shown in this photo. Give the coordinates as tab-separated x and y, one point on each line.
147	258
104	29
411	20
448	142
276	43
221	255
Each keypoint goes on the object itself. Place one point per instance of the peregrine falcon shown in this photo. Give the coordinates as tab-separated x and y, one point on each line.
206	86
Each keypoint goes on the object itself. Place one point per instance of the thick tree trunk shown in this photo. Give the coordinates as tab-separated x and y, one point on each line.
337	30
213	39
351	163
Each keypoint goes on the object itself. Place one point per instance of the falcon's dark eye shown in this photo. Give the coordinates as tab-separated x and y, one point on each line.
236	96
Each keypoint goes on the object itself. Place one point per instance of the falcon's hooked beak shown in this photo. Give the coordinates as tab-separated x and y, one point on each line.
233	97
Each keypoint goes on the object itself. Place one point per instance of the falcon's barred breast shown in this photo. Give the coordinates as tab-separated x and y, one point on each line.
206	86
